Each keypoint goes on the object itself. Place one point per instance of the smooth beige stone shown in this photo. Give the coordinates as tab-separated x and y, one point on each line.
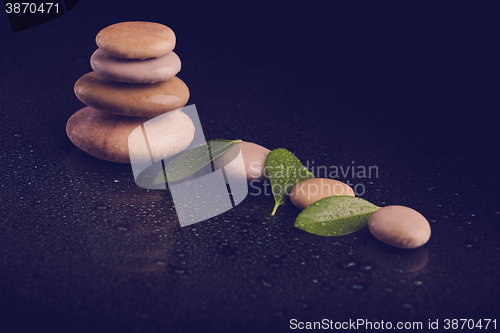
135	71
254	159
131	99
136	40
400	226
311	190
161	137
106	136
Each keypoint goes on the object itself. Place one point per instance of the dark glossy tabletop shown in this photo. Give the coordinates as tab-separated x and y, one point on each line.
408	90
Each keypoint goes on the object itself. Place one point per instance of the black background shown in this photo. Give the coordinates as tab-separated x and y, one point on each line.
412	89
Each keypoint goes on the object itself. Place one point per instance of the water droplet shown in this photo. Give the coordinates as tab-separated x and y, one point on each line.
349	264
418	283
315	281
266	283
357	287
407	306
366	267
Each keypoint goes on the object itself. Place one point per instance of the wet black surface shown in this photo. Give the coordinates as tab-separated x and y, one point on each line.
409	90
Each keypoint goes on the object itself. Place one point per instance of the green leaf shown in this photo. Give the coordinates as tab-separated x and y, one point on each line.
336	216
284	171
193	160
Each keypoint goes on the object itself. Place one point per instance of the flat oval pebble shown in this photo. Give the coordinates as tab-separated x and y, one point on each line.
135	71
106	136
131	99
254	161
254	157
136	40
400	226
311	190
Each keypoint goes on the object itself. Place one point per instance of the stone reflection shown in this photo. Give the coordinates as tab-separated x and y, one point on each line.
395	259
128	244
128	228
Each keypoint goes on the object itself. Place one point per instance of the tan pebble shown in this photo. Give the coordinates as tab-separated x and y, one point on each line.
136	40
106	136
311	190
254	157
400	226
131	99
254	160
135	71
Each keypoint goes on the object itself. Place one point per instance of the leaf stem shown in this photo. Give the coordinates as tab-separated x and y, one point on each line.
276	205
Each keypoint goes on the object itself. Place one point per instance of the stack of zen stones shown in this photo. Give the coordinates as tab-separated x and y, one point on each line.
134	80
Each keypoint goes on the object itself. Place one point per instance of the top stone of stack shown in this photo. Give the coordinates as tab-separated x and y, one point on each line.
136	40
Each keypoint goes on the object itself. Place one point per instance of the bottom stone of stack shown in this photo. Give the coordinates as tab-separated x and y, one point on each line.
106	136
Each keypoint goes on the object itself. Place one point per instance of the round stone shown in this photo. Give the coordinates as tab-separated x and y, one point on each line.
136	40
150	70
254	160
400	226
106	136
131	99
309	191
254	157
